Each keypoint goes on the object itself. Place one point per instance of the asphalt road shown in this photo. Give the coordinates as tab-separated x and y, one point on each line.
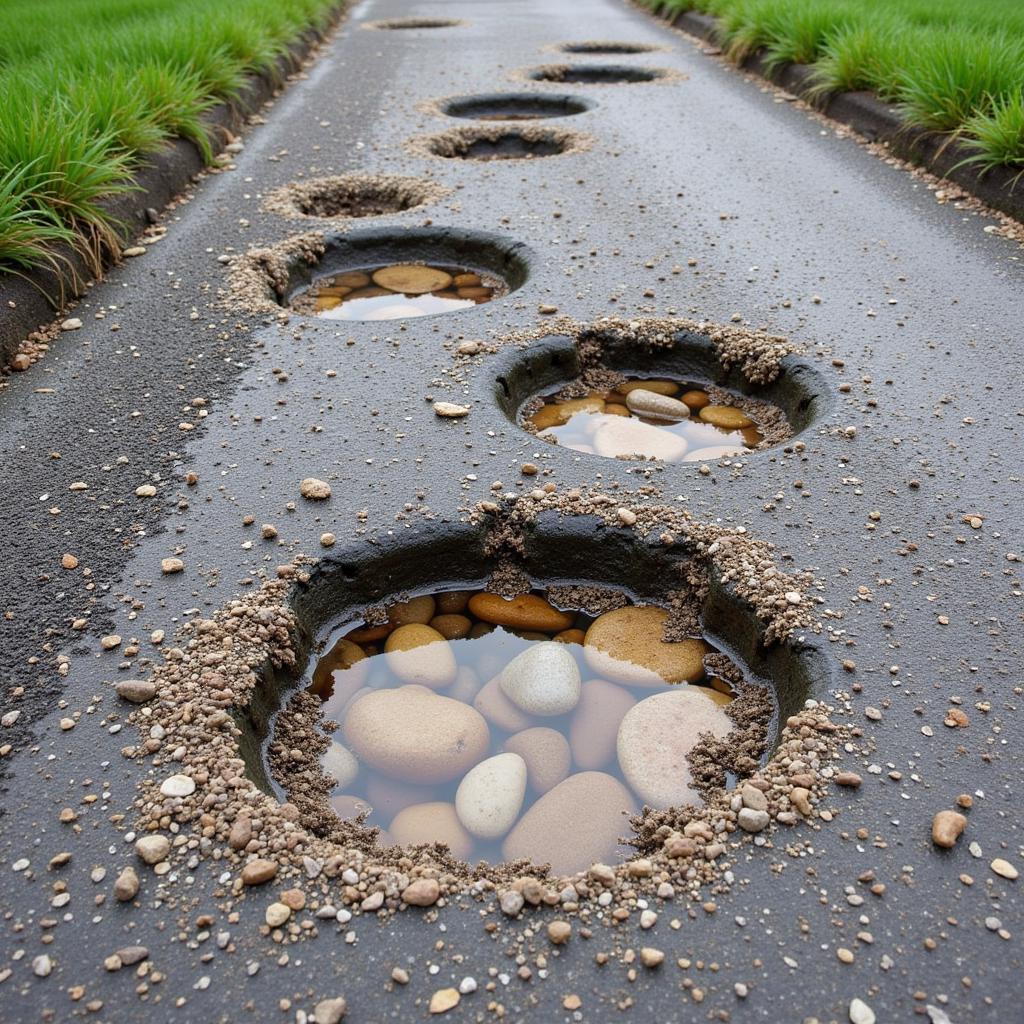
920	305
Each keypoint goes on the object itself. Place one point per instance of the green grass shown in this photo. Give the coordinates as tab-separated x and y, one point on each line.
953	66
90	87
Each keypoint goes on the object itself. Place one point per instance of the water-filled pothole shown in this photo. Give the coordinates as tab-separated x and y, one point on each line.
353	195
514	106
396	291
481	722
413	22
668	397
597	74
675	421
500	142
383	274
597	46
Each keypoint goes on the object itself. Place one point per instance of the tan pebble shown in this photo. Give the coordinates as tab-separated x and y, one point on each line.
655	738
492	703
277	914
572	1002
68	561
415	735
651	957
327	540
659	387
453	602
696	399
450	411
594	726
330	1011
169	566
546	753
557	414
1004	869
432	823
559	932
418	610
451	627
593	802
314	489
526	611
800	799
850	779
726	416
655	406
126	887
256	872
626	645
947	827
418	654
423	892
444	999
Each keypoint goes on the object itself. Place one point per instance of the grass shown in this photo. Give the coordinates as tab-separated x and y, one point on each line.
90	87
953	66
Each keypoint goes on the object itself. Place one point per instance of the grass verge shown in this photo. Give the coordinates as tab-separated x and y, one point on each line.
91	87
953	66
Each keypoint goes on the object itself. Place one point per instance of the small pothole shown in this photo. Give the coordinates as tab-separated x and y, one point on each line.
513	106
672	400
599	74
598	46
500	142
351	196
379	273
411	23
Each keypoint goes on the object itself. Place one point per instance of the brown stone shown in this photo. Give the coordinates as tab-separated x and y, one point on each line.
423	892
546	753
527	611
258	871
947	827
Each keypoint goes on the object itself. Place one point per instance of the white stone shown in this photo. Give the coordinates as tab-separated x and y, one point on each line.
861	1013
617	436
655	737
340	764
490	795
178	785
543	680
655	406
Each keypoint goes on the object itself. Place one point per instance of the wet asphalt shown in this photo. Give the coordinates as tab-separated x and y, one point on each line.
792	227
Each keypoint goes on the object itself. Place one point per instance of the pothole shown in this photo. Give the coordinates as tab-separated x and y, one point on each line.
351	196
411	23
599	74
609	394
513	106
499	142
598	46
379	274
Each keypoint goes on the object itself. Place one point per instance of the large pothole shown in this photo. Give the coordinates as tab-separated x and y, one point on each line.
379	274
674	393
513	106
626	677
599	74
352	196
500	142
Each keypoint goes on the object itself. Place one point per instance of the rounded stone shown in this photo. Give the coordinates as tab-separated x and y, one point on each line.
415	735
658	387
573	825
655	737
617	437
418	609
258	871
543	680
594	727
557	414
696	399
277	914
453	601
626	645
656	407
138	691
416	653
314	489
492	703
153	849
728	417
490	795
751	820
178	786
423	892
340	764
451	627
525	611
432	823
547	756
947	827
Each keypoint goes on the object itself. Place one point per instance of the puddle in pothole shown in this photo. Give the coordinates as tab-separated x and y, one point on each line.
674	421
397	291
597	74
515	106
513	729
